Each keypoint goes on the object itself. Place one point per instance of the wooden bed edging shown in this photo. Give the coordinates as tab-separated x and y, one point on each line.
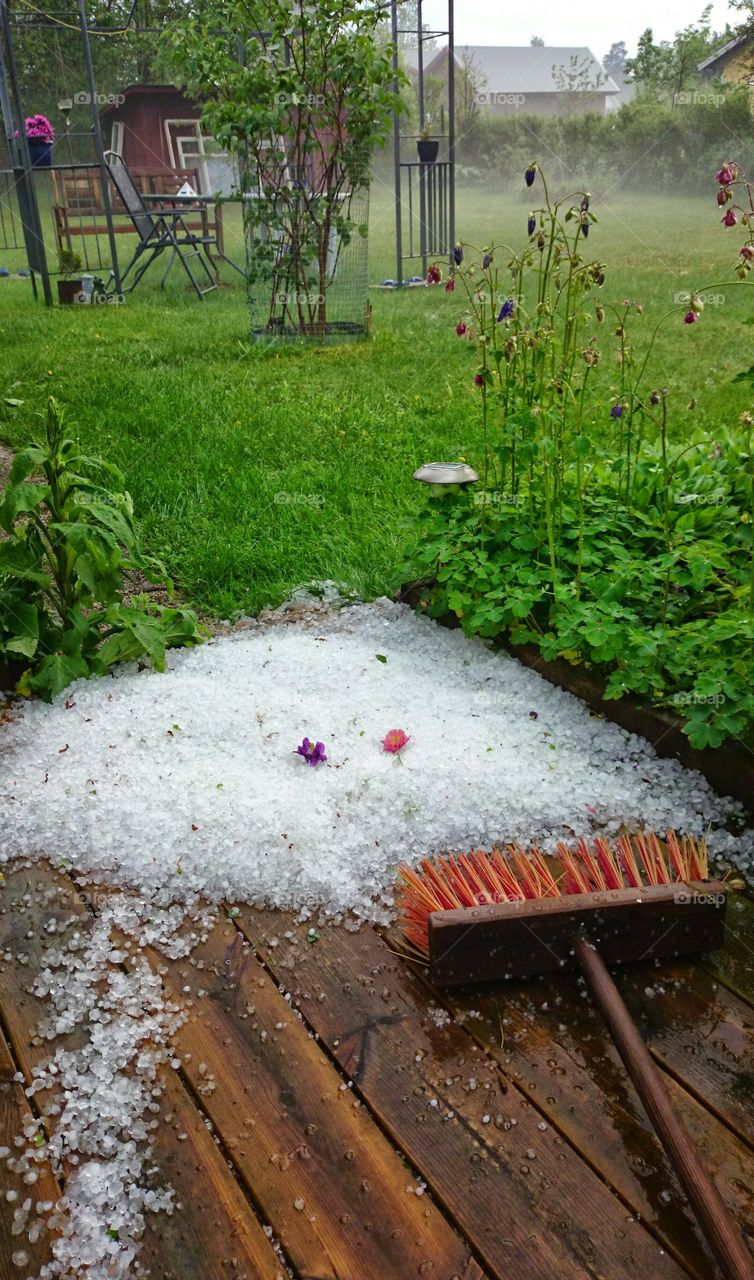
728	768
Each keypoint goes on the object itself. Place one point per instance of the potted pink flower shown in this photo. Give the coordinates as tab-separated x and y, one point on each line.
40	136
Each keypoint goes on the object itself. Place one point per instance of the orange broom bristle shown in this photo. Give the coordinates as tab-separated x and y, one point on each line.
515	874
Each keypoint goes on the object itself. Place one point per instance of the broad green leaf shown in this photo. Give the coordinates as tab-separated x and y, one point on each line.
55	673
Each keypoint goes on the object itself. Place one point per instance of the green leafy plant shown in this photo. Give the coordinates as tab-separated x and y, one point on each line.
602	543
70	538
69	263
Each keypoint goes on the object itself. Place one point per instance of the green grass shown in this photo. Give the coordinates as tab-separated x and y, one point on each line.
211	431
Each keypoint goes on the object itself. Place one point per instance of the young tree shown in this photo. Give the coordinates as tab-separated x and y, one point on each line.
538	42
303	93
578	82
665	71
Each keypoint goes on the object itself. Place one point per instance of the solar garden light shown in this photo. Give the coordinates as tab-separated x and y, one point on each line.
459	473
66	106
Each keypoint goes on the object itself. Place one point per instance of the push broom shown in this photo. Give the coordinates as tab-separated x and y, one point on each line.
480	917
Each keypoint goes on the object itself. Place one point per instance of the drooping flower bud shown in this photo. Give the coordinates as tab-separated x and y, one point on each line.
655	398
460	328
531	225
747	252
726	175
599	311
724	195
530	174
458	255
434	275
696	304
690	317
486	260
450	284
729	219
616	411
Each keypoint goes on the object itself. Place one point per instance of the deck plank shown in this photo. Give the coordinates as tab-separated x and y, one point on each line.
215	1235
700	1032
14	1107
734	964
535	1218
328	1181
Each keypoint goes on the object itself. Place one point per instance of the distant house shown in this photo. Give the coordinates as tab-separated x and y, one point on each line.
157	129
734	63
528	79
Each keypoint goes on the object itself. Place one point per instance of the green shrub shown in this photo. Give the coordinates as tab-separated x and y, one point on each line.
70	538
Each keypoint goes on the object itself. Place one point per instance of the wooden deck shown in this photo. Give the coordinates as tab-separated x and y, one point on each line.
334	1118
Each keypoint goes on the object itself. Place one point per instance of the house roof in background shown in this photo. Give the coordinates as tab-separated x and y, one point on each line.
518	69
730	47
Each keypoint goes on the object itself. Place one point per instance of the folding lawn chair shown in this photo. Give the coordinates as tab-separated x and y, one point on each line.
160	229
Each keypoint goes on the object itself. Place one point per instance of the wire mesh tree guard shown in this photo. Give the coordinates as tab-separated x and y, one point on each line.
307	253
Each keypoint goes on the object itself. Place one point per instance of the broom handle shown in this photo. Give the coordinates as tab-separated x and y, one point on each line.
713	1215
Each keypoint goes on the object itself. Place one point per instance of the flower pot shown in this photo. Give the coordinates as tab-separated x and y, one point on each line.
70	291
428	149
40	152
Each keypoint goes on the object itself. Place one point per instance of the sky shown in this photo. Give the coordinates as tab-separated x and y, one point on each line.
593	23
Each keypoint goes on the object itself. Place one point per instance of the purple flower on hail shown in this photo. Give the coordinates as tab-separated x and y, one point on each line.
530	174
616	411
486	260
506	311
458	255
531	225
729	219
312	752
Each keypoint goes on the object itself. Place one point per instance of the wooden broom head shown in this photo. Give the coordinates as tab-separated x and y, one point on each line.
514	912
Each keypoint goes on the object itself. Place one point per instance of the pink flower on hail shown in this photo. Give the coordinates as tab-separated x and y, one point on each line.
394	741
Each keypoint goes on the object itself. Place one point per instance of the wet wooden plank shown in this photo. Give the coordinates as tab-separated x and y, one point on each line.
14	1110
734	963
215	1235
700	1032
535	1209
339	1198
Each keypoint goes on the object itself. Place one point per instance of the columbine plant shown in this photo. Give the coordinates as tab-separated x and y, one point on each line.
604	545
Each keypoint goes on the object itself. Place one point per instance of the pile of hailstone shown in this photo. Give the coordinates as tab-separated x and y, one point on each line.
191	779
188	786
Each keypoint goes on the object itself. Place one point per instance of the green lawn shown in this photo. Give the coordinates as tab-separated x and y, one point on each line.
253	471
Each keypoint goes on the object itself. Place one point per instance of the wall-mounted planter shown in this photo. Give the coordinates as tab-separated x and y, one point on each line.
728	768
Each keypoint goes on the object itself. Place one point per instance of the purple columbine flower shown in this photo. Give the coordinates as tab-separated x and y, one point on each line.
616	411
506	311
312	752
530	174
690	317
458	255
531	225
730	219
585	227
486	260
726	175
